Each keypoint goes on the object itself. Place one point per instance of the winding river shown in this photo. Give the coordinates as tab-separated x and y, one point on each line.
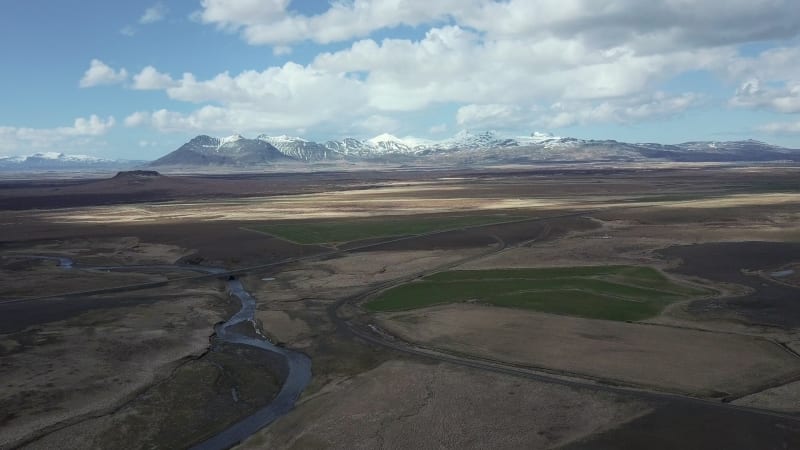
296	365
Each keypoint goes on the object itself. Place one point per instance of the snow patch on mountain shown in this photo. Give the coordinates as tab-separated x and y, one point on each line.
299	148
230	139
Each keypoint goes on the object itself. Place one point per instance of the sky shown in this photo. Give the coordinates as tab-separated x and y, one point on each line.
136	79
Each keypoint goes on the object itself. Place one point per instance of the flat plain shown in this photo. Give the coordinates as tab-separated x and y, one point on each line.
503	307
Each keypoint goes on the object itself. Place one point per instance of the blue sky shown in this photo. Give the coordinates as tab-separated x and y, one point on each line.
136	79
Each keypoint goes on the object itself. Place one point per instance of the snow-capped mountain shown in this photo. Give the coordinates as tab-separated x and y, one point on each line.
299	148
467	140
465	147
228	151
61	161
351	147
390	144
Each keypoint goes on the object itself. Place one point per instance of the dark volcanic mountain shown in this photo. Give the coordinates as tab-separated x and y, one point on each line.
231	151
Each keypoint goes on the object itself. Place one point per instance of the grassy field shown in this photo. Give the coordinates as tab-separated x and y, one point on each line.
625	293
347	230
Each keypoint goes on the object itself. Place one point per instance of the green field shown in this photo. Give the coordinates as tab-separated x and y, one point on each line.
348	230
625	293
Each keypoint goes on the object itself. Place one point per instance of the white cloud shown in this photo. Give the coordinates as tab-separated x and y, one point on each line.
781	127
151	79
784	99
270	22
455	65
780	63
503	64
280	50
768	80
143	143
567	113
279	98
93	126
377	124
137	119
128	30
99	73
486	115
626	110
235	13
494	79
22	140
652	25
155	13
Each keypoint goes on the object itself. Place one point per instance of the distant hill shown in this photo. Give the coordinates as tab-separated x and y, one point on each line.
53	161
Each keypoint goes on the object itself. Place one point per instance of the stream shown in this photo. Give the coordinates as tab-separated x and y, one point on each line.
297	365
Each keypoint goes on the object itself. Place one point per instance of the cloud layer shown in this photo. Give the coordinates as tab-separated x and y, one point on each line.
23	140
511	64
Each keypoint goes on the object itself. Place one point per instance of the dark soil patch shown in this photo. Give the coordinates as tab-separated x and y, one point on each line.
539	230
18	316
771	303
219	243
698	427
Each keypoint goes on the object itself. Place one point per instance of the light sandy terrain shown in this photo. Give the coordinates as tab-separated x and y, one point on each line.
411	405
434	197
739	200
679	360
94	361
357	203
782	398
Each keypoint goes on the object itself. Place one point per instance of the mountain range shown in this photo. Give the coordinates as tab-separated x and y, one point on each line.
463	148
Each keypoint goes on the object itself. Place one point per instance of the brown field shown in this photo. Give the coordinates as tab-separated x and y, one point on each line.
679	360
404	404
